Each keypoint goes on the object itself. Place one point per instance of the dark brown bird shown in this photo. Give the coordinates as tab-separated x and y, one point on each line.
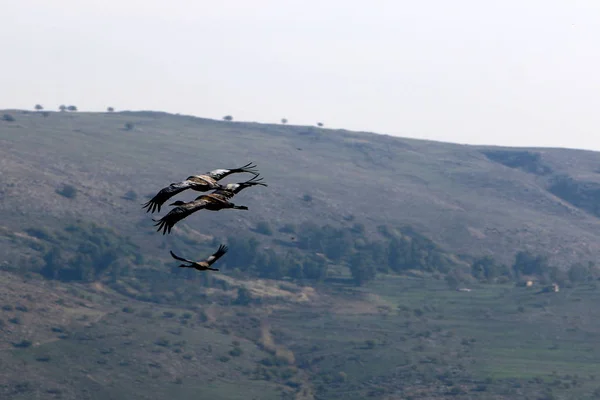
212	202
199	183
204	264
231	189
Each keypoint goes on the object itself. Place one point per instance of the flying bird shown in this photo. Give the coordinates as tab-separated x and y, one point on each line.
204	264
231	189
199	183
211	202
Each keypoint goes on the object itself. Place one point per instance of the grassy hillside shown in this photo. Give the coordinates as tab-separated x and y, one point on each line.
469	199
92	306
397	338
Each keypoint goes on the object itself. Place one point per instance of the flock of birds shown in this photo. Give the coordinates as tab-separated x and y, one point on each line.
218	199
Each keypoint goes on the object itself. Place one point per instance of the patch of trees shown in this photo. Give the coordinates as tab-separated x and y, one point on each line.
519	159
584	195
86	252
316	247
528	265
486	269
64	108
248	255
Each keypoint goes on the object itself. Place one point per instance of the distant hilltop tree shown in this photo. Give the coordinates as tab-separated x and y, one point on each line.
38	107
284	121
62	107
228	118
110	109
320	124
72	108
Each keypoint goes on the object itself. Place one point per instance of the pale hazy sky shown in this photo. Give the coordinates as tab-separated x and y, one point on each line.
510	72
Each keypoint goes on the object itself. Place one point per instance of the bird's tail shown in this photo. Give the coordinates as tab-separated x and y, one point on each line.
240	207
213	269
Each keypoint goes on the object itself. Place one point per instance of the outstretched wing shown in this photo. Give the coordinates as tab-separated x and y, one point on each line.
226	193
218	254
167	222
165	194
217	198
179	258
219	174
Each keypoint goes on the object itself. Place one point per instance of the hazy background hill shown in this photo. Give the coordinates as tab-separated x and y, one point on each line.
469	199
332	288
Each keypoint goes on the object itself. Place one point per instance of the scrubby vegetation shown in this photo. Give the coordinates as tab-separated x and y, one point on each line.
348	305
86	252
315	248
584	195
8	118
68	191
525	160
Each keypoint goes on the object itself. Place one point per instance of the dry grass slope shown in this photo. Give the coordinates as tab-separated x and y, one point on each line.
463	197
